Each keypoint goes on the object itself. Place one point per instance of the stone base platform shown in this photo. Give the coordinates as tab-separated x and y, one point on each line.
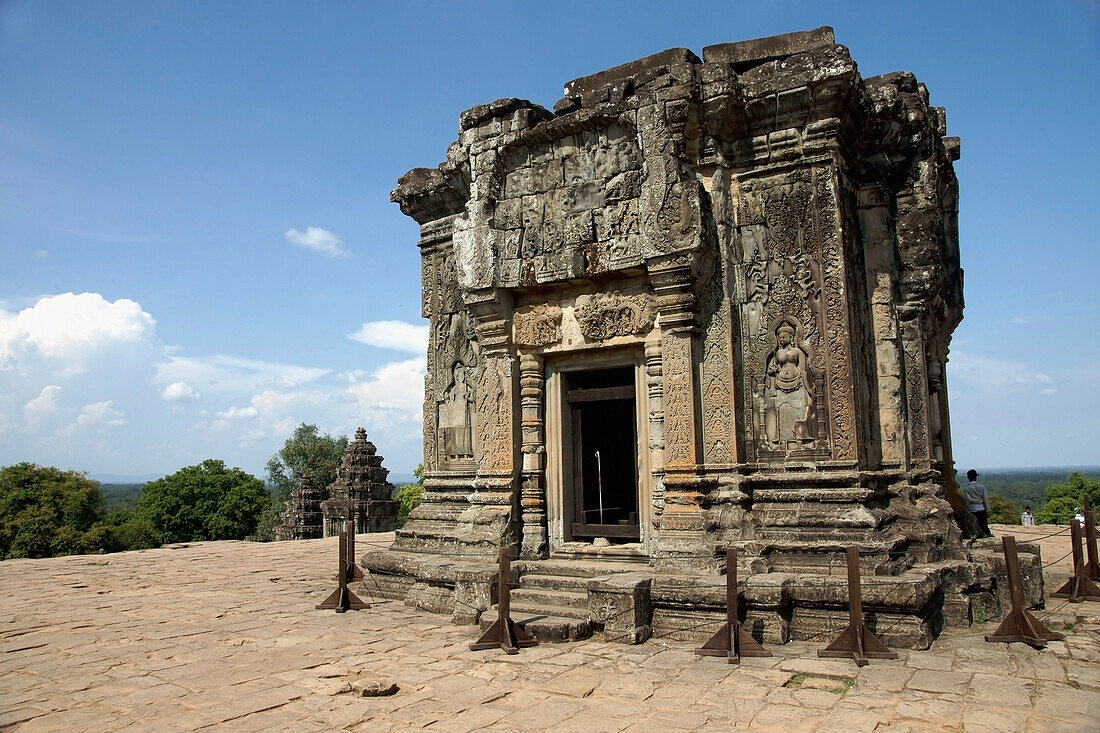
632	601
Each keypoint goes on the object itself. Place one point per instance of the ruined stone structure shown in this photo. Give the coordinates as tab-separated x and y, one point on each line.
700	303
360	491
301	519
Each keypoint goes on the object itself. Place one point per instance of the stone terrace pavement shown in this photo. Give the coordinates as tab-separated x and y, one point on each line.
224	635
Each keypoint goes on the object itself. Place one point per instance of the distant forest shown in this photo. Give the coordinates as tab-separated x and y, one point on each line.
120	496
1025	486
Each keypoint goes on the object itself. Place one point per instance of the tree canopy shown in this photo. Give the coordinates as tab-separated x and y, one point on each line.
45	511
1002	511
409	496
1064	498
306	452
203	502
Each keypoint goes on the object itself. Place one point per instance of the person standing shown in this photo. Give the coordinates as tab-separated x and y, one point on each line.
978	502
1027	519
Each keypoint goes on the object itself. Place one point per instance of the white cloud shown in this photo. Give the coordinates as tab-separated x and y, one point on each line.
45	402
69	329
94	417
41	254
239	413
179	391
221	374
95	374
398	386
396	335
319	240
977	375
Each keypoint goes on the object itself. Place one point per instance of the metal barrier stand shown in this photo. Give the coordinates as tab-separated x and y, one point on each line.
1079	587
504	632
342	599
1020	624
732	641
856	641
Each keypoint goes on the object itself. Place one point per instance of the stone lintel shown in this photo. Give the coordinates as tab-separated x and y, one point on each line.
641	71
745	54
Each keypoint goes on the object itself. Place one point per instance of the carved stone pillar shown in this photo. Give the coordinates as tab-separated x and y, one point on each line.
681	530
532	481
654	385
916	394
496	408
880	263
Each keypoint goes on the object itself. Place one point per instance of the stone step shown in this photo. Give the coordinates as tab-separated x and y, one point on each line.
577	568
545	628
555	582
539	598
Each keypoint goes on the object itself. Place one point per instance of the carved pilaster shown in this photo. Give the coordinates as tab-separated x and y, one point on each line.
681	529
654	387
880	265
672	286
916	394
533	482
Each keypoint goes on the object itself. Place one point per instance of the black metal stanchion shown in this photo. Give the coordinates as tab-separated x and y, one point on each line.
732	641
856	641
504	632
1020	624
342	599
1078	588
1092	567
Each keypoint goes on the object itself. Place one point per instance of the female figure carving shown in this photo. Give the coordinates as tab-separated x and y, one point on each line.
456	417
789	405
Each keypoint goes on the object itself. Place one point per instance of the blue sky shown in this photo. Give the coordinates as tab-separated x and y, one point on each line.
197	250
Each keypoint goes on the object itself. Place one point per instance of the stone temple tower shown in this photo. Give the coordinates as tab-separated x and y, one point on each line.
701	303
360	491
302	516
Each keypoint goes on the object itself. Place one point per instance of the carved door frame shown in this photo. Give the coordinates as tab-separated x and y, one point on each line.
559	442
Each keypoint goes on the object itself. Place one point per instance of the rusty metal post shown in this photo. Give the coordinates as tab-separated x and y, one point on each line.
1092	567
504	632
1020	624
856	641
732	641
342	599
1078	588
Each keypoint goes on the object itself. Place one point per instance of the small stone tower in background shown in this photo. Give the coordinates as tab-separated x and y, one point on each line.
302	516
360	491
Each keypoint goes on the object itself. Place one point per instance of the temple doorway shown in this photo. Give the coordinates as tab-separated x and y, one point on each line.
604	471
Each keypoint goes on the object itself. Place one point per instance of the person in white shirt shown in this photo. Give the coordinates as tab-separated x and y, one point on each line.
1026	519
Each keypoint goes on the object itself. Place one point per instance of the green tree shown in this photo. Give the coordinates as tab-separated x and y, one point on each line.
408	496
1002	511
1064	498
203	502
45	511
305	453
124	529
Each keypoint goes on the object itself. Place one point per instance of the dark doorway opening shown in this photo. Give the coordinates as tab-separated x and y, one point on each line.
605	454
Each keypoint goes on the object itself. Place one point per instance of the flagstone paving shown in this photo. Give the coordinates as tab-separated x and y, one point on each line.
224	635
